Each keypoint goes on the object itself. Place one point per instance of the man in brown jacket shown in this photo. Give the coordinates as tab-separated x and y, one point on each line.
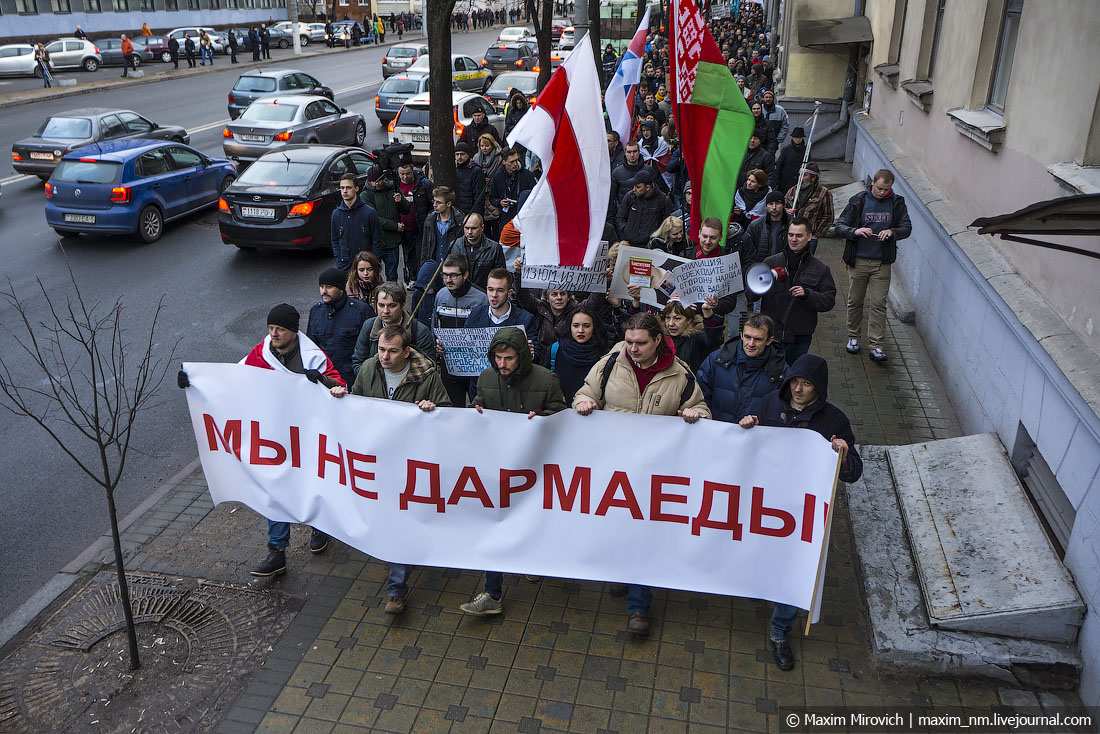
815	203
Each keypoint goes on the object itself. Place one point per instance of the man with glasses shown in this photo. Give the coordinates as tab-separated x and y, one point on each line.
453	306
354	226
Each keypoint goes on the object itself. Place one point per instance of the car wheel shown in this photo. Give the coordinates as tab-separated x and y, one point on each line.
37	71
488	83
90	64
225	184
304	40
137	61
150	224
165	57
360	133
283	43
64	233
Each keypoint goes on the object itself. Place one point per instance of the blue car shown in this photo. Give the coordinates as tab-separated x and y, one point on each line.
132	187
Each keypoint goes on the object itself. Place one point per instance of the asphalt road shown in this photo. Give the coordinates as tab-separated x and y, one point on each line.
216	300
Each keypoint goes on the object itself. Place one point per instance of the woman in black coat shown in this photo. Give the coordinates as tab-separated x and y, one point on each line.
572	356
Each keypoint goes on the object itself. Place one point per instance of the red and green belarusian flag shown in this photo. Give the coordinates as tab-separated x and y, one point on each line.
712	117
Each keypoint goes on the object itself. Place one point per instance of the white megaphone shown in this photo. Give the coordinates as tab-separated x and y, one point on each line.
760	278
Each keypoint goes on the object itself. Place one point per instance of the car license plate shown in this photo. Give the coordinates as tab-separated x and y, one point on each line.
80	218
421	138
42	156
258	212
398	100
250	138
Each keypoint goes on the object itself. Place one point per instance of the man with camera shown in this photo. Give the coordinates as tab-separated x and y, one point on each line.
390	205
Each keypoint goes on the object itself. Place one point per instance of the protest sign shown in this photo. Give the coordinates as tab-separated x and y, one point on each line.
569	277
712	276
749	520
466	351
661	288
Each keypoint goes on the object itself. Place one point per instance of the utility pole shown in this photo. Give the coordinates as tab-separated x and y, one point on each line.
292	16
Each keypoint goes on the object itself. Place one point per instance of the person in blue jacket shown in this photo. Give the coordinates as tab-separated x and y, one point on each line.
502	312
336	320
802	402
354	226
737	376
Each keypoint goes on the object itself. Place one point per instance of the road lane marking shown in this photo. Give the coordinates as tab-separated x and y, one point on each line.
16	178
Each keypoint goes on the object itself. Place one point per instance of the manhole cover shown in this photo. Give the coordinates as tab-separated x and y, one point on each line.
196	639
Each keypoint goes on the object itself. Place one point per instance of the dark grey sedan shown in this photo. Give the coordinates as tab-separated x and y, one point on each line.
39	154
253	85
111	51
272	123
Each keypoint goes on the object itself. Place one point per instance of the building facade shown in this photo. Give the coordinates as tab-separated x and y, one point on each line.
982	108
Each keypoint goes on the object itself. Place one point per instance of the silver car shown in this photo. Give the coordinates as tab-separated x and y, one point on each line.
217	40
400	56
270	123
253	85
73	53
17	59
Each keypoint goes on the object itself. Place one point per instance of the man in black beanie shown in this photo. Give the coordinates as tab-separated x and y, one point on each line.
335	321
471	181
766	235
790	160
286	350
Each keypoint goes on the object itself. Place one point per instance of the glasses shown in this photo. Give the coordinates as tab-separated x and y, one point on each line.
451	276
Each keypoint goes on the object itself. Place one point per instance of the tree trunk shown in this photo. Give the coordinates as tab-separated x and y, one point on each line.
124	590
441	117
542	18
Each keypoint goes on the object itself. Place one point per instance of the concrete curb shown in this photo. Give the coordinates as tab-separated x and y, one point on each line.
48	593
14	99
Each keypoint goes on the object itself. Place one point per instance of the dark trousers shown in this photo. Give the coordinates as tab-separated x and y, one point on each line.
458	388
255	53
792	350
128	63
175	59
233	54
267	51
410	243
389	261
191	59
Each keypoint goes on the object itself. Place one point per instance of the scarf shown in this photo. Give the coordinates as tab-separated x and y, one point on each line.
751	197
581	355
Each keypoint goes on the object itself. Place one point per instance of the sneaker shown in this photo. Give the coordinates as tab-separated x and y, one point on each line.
533	579
781	653
483	605
318	541
618	589
395	605
638	623
852	346
274	564
878	355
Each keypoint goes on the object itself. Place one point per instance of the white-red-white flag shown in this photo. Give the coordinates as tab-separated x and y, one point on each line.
563	218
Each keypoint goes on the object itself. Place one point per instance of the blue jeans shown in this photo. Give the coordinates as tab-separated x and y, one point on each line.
233	54
638	599
207	52
494	583
783	617
278	534
398	576
795	349
389	261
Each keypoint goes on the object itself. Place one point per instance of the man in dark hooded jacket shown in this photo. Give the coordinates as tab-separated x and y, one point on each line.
390	205
802	402
736	377
471	181
335	321
790	160
514	384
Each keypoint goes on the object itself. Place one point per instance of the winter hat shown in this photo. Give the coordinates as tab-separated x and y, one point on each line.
812	168
284	315
773	196
798	133
462	148
333	277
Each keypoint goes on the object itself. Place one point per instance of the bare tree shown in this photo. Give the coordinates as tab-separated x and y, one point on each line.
542	16
441	122
85	381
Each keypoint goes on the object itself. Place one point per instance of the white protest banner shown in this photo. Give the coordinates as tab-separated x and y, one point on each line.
569	277
557	496
466	351
712	276
510	255
662	286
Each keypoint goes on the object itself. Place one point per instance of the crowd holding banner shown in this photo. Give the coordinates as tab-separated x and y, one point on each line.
547	309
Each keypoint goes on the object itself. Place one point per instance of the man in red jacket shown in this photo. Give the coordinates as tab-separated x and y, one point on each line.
127	54
284	349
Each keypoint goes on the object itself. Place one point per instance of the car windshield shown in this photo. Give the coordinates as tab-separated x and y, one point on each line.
255	84
501	54
413	116
87	172
520	82
421	63
511	33
65	128
402	53
400	86
279	171
270	112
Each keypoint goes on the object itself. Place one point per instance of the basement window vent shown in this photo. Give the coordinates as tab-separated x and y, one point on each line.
1050	502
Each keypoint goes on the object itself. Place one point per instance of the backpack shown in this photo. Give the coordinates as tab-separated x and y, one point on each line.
554	358
609	365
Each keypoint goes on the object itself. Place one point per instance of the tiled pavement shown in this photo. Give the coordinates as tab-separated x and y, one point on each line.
559	659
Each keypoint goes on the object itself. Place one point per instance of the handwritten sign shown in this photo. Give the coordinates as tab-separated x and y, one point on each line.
569	278
466	351
660	276
713	276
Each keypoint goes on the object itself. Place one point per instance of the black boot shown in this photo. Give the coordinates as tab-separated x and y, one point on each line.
781	653
274	564
318	541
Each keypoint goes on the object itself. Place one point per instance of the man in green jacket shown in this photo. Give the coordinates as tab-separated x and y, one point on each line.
390	205
399	372
514	384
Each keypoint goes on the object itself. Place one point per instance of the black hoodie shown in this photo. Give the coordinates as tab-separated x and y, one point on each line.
821	416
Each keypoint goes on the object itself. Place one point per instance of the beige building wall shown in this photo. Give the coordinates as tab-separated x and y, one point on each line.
808	72
1050	117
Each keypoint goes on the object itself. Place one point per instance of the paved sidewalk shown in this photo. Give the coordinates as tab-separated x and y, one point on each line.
560	659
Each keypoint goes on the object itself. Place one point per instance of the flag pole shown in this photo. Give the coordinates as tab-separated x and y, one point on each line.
806	155
819	581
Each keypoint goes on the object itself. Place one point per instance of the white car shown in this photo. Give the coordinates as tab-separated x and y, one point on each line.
216	38
307	32
71	53
411	123
567	37
514	34
17	59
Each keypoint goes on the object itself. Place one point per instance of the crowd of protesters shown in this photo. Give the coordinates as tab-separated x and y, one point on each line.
373	333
